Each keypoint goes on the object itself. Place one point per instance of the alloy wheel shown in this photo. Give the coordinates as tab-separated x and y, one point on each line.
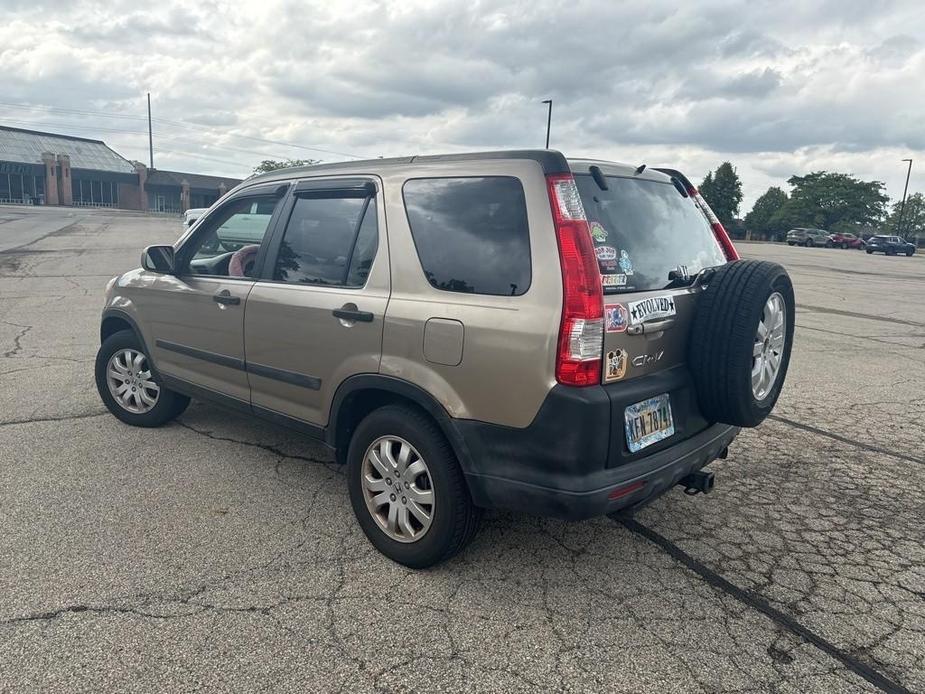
398	489
130	381
768	351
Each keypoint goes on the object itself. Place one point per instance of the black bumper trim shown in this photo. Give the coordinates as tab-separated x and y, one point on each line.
659	472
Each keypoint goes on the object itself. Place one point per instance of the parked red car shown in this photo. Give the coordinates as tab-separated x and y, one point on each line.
837	240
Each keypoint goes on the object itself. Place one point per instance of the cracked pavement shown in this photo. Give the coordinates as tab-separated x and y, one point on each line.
220	552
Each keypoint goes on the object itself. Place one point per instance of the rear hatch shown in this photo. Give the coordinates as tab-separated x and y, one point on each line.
651	240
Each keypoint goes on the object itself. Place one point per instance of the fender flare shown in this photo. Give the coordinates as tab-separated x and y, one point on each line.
404	389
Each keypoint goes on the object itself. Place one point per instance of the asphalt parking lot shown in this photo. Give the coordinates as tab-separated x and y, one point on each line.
221	552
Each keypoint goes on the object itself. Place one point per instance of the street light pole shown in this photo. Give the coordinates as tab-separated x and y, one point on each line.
902	207
548	120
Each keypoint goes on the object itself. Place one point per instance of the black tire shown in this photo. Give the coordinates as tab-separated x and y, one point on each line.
455	517
790	243
169	404
723	337
909	252
829	244
810	243
869	252
844	246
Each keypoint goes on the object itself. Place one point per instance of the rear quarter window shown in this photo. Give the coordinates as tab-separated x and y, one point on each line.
471	234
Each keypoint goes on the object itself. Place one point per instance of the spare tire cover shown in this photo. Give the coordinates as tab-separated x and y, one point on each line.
740	342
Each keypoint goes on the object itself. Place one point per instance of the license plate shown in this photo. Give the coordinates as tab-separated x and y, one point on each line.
648	422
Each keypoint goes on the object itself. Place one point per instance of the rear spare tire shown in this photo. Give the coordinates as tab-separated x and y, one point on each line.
741	340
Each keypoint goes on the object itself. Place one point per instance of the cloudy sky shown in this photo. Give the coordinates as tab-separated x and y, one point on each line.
776	88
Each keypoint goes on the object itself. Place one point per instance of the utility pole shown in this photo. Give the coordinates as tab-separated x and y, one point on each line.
548	120
902	207
150	136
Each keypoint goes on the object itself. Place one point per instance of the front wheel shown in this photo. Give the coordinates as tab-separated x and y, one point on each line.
407	489
909	252
844	246
869	252
809	243
128	386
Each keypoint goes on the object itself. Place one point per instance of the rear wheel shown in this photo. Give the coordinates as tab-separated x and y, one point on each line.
741	340
128	385
844	246
407	489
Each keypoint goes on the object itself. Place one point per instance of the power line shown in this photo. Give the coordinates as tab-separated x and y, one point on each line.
121	131
180	124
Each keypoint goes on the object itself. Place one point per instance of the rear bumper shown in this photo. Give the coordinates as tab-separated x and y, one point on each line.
573	456
646	478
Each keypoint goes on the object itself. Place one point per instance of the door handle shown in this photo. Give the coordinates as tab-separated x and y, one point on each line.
353	314
654	326
224	297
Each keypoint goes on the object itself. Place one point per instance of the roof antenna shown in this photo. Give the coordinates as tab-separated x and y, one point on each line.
642	167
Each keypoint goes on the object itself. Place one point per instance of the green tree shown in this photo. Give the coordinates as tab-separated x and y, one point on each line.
273	165
723	192
913	217
834	202
765	218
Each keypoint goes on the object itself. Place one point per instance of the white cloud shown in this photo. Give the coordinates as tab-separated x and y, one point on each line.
776	88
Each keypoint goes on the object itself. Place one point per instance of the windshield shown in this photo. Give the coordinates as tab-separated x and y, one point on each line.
642	230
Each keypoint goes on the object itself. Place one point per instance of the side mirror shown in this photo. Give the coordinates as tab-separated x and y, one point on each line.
158	259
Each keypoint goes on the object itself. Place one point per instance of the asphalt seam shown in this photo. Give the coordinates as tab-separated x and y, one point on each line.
758	603
863	316
86	415
844	439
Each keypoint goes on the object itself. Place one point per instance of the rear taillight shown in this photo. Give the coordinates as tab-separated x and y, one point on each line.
719	231
581	332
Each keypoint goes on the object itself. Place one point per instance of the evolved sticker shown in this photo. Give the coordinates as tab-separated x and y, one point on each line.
615	368
613	280
598	232
615	318
656	307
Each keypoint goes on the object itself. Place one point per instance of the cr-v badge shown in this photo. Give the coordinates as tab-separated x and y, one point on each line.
646	359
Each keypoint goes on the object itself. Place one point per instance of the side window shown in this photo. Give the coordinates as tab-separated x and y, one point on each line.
227	246
471	234
328	241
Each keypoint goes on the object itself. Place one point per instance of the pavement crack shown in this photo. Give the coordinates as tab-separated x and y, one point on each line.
17	340
265	447
844	439
760	604
35	420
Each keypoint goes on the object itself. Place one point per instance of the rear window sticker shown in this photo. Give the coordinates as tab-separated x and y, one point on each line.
616	365
625	263
656	307
613	280
598	233
616	318
605	253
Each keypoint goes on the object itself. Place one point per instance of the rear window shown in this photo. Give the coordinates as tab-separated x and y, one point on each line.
642	230
471	234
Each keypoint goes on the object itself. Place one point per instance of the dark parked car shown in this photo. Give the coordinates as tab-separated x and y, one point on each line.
807	237
891	245
838	240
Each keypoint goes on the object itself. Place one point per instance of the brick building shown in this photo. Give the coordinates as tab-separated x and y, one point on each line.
41	168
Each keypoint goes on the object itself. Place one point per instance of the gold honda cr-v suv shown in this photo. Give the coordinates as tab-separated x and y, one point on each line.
509	330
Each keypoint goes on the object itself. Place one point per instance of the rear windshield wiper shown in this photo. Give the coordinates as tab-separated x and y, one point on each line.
680	278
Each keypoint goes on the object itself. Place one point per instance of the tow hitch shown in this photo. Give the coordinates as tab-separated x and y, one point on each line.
697	482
